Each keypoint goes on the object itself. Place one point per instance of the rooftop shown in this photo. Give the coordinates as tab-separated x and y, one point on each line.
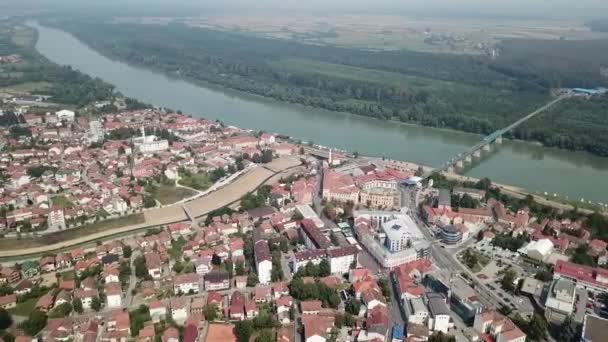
594	329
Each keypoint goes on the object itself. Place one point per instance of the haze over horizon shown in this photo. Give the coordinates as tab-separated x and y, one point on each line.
472	8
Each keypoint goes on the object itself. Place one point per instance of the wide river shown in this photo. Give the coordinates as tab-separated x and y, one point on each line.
533	167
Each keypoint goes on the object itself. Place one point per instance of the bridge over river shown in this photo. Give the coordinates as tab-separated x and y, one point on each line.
474	151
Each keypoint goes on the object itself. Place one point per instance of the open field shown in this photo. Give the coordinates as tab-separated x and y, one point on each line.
451	35
24	36
62	201
168	194
26	87
24	308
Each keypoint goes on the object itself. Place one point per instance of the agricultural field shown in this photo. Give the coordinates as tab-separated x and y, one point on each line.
390	32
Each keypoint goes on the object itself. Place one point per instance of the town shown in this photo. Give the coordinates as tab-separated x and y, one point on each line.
325	245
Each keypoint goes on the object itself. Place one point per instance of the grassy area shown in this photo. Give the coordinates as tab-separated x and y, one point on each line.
199	181
473	259
167	194
24	36
68	275
24	308
11	244
62	201
27	87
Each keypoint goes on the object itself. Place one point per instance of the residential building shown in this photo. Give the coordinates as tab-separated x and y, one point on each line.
113	293
187	283
341	258
499	327
263	261
215	281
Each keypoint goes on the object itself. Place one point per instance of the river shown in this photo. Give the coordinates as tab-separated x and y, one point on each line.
527	165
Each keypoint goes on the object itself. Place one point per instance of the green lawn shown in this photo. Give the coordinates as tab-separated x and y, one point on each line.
24	36
199	181
62	201
167	194
27	87
24	308
68	275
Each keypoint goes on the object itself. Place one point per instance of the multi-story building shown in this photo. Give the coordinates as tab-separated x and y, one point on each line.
560	300
96	131
263	261
341	258
56	220
301	259
439	313
313	237
585	277
391	238
416	312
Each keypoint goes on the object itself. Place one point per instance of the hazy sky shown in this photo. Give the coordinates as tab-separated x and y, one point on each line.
527	8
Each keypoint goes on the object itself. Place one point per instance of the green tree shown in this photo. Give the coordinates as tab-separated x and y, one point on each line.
35	322
252	279
216	260
265	336
385	285
243	330
353	306
568	331
441	337
60	311
96	304
77	305
324	268
141	270
537	327
508	280
127	251
239	268
210	312
5	319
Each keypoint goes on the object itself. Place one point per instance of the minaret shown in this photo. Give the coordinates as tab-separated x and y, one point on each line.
329	159
143	133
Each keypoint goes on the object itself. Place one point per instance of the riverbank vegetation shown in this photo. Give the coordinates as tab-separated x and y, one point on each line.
468	93
35	74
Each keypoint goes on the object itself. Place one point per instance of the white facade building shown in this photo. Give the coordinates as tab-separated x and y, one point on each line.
416	311
150	143
66	115
96	131
341	258
263	260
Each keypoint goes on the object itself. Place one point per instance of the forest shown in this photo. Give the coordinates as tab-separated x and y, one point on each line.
468	93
